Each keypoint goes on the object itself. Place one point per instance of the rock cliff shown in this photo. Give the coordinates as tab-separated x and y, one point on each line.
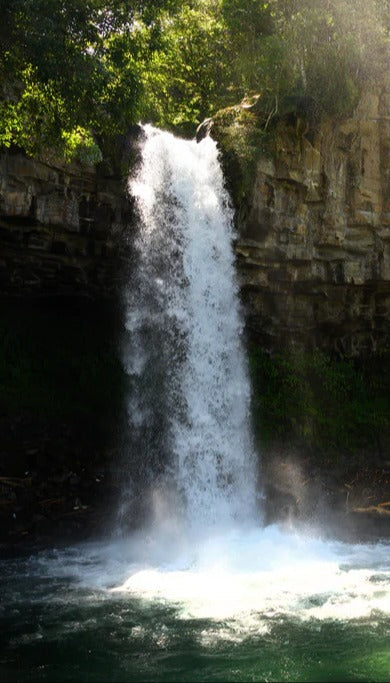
313	216
61	227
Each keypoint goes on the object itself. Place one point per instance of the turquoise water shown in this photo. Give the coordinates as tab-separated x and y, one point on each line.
313	619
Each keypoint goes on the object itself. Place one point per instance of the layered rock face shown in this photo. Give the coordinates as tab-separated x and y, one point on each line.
61	228
314	232
313	217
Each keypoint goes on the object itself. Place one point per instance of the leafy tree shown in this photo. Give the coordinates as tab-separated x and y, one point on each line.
189	75
335	47
251	37
68	66
73	71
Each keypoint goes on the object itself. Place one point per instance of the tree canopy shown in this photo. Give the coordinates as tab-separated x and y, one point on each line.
71	69
75	71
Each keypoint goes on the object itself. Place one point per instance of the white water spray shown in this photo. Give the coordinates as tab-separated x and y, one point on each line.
186	326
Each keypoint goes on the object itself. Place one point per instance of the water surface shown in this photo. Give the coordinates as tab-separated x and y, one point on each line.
268	607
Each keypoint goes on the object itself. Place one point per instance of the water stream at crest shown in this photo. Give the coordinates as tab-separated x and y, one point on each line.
203	592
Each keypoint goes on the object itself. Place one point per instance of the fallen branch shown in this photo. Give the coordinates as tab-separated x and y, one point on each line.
379	509
51	501
15	481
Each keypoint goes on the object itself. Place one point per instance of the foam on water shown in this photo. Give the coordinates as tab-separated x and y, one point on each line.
242	580
253	575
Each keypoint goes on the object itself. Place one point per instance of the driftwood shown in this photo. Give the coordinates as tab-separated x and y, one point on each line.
15	481
52	501
76	511
380	508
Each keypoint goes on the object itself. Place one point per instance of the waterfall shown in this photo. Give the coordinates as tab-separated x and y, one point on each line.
190	404
201	590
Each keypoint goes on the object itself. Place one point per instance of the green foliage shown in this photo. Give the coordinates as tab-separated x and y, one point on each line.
68	66
260	62
188	76
313	57
318	54
242	137
331	406
79	144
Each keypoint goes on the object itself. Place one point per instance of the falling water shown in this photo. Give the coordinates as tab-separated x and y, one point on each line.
186	327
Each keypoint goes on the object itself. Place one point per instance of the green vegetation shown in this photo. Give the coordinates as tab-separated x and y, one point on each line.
243	138
73	72
72	69
329	406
